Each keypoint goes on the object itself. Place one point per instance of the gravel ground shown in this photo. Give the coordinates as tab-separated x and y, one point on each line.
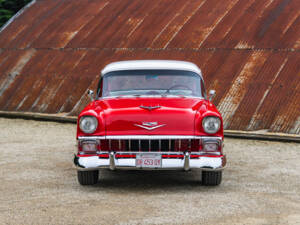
261	184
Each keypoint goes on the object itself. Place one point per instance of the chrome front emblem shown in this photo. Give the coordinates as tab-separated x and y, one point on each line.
150	107
149	125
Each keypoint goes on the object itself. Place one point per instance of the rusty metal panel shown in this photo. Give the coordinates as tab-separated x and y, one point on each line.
257	90
248	51
21	28
224	27
156	24
280	103
201	24
103	26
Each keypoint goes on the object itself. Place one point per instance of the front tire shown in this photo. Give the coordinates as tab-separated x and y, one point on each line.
211	178
88	177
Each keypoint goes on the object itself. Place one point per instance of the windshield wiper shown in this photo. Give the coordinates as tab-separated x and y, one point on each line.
172	95
124	96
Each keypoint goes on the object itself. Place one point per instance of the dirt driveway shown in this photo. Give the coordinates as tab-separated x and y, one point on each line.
39	186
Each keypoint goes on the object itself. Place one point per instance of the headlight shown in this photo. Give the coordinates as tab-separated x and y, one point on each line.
88	124
211	124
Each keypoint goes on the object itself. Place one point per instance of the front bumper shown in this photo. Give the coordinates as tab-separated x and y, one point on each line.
174	161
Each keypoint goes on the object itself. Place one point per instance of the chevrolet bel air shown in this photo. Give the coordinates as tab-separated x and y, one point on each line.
150	115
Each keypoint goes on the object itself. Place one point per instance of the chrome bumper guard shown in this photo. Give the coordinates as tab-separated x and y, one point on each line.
183	162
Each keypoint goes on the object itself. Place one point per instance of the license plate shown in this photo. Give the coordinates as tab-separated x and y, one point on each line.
148	160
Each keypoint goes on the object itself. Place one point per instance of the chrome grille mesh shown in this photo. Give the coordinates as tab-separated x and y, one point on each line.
149	145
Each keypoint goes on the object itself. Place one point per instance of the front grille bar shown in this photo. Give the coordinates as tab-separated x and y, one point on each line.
140	147
109	144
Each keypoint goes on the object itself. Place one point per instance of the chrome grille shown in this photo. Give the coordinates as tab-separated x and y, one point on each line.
150	145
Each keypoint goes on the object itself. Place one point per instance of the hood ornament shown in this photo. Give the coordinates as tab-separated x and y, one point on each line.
150	107
149	125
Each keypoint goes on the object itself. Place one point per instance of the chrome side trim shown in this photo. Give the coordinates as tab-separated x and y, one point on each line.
147	137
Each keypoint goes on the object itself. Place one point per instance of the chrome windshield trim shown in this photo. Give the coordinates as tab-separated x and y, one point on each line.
147	137
149	96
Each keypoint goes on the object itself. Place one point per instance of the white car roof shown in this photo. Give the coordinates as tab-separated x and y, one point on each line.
151	65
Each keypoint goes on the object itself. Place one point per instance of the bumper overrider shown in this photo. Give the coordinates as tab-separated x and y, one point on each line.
170	160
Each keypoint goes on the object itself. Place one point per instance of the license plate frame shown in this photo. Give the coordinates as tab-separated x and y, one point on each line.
148	160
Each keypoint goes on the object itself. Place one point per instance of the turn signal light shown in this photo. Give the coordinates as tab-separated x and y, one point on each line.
89	147
210	147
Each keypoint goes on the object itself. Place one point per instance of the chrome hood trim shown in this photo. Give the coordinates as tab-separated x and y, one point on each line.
147	137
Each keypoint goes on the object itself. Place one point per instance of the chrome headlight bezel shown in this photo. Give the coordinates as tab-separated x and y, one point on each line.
208	121
90	127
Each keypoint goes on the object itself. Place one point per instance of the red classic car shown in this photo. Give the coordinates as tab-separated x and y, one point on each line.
151	115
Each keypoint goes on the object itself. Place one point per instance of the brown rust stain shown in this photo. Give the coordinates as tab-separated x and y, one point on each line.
238	87
248	51
278	100
287	115
154	22
276	23
258	89
225	26
13	72
271	17
128	23
35	26
197	27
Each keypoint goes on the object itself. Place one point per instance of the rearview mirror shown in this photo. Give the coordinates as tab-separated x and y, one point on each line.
212	94
91	94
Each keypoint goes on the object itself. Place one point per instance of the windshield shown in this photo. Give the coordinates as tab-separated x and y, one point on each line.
151	82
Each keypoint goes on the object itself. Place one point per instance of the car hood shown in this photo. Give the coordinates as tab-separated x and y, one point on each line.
170	116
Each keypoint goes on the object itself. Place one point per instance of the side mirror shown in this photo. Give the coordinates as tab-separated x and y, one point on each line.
212	94
91	94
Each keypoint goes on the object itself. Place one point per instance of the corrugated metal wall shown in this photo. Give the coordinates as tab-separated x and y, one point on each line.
248	51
